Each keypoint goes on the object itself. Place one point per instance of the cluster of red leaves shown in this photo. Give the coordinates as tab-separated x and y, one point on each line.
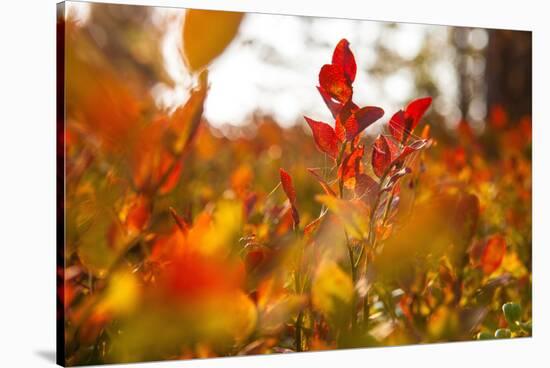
342	143
335	87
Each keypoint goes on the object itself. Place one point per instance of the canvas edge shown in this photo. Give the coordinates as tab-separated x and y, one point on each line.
60	183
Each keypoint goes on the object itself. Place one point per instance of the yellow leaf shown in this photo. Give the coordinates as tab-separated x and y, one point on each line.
354	215
222	236
274	318
122	294
228	316
206	33
512	264
332	291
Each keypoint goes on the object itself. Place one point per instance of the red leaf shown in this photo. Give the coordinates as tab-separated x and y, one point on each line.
351	164
339	130
324	136
328	190
411	148
344	58
417	108
345	113
288	187
403	123
332	105
493	253
397	125
360	119
333	80
290	192
365	186
384	151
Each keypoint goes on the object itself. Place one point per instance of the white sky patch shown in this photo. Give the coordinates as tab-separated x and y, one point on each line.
77	11
272	67
407	39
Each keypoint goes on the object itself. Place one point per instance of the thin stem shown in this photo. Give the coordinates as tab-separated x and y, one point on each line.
338	163
299	290
299	322
348	245
387	209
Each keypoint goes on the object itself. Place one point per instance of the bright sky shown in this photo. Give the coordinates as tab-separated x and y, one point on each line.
277	73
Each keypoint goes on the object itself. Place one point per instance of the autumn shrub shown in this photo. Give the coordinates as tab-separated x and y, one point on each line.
182	243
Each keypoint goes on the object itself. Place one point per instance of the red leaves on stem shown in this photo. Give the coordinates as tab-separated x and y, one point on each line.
335	87
335	79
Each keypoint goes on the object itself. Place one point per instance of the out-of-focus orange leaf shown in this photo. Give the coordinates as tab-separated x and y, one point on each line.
185	121
206	34
498	116
455	158
241	180
105	107
138	215
149	160
465	131
493	254
191	275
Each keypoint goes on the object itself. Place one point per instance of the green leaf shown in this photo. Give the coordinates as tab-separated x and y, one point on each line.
485	336
512	314
503	333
